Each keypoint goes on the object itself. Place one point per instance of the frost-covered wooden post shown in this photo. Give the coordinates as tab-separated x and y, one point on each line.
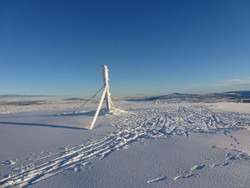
106	85
105	94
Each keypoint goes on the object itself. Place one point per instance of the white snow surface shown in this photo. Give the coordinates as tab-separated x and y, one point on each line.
142	144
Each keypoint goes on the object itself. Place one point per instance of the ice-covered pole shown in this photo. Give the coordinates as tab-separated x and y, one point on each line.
105	94
106	85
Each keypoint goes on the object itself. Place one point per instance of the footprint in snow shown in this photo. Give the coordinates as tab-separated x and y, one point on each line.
157	179
198	167
189	175
177	177
225	164
216	165
232	158
8	162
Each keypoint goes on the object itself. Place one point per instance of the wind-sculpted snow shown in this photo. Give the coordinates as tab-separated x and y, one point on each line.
131	127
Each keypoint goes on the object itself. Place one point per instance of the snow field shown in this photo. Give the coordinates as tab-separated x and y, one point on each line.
143	123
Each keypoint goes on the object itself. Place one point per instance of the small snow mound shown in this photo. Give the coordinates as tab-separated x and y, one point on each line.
117	111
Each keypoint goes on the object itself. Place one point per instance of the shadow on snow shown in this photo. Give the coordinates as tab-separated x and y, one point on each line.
102	112
42	125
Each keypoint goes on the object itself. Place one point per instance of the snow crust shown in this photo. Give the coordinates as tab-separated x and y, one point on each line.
140	144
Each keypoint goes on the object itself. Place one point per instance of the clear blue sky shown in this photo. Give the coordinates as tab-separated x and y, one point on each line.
151	47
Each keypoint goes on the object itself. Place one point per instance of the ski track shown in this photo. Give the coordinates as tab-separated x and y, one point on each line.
131	127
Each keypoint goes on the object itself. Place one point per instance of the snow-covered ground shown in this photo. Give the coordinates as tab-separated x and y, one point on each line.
43	144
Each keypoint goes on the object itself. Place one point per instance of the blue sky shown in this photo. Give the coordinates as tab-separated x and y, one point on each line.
158	47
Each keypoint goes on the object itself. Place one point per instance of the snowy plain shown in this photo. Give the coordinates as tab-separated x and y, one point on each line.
180	144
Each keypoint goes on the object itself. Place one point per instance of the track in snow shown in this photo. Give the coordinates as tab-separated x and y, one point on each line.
146	123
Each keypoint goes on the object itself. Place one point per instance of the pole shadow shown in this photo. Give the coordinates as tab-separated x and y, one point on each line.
42	125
